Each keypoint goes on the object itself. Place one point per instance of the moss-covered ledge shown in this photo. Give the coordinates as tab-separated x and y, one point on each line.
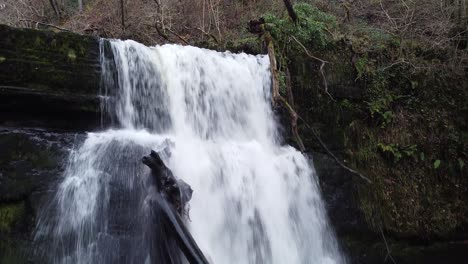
47	76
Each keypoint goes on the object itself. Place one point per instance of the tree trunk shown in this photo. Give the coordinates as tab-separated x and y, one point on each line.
291	12
80	6
167	223
463	18
54	5
122	12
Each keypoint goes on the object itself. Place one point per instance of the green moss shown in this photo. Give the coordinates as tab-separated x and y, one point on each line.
56	62
2	59
38	42
247	44
10	214
71	55
383	113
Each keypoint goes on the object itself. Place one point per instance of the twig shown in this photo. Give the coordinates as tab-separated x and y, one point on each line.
325	84
294	117
389	255
206	33
158	5
402	61
322	65
331	154
395	25
160	32
45	24
179	36
165	36
307	52
55	8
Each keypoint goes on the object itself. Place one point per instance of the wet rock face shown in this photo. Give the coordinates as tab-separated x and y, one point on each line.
48	79
338	191
46	61
31	164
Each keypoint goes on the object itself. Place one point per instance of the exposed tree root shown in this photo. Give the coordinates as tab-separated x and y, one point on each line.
276	96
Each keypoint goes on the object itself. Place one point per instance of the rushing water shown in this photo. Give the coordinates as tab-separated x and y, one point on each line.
254	200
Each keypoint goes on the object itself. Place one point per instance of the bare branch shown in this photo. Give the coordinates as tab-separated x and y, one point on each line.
389	255
158	4
45	24
331	153
160	32
178	36
205	33
122	13
306	51
321	70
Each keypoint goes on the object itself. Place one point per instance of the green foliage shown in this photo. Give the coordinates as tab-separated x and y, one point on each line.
396	151
362	66
311	29
436	164
381	108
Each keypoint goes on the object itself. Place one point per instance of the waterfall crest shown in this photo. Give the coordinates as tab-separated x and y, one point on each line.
254	200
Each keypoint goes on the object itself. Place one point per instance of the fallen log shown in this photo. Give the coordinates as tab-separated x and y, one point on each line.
170	235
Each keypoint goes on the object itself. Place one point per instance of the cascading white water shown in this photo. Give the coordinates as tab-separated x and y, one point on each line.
254	200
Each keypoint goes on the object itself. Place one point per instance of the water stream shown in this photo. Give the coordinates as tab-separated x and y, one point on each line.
254	200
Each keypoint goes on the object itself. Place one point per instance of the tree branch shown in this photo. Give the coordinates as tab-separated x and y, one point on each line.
45	24
276	96
205	33
389	255
160	32
322	65
178	36
331	153
55	7
307	51
122	11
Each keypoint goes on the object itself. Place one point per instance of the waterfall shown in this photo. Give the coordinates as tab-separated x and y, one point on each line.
254	200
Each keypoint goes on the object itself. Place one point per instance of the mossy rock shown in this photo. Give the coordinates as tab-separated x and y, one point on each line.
48	61
10	215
